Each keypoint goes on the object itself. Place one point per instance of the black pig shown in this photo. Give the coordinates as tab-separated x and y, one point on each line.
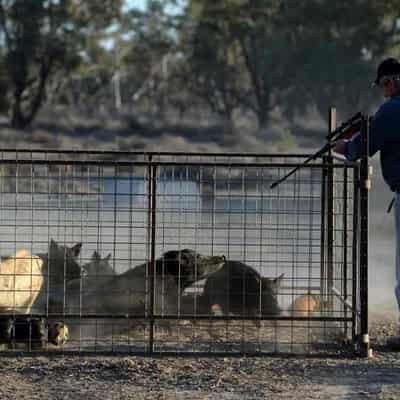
239	289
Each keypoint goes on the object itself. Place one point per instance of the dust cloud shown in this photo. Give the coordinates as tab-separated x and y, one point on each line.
382	300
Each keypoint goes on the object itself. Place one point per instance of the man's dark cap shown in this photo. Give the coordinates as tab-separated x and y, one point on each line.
388	67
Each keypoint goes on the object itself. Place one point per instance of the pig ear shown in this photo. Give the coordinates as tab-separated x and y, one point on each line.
95	256
108	258
278	281
76	249
53	244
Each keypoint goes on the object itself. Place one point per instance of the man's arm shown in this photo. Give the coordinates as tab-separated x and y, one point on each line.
380	127
350	148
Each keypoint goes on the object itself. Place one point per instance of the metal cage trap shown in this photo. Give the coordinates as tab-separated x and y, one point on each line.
181	253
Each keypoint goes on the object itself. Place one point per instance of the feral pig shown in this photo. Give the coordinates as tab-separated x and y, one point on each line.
239	289
98	267
21	279
127	293
306	305
60	265
98	271
185	266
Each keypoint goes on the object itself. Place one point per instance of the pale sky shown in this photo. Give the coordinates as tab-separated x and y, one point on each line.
142	4
135	3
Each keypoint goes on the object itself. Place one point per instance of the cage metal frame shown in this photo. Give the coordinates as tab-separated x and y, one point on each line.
356	310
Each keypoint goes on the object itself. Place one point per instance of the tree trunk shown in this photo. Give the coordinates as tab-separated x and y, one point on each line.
261	93
19	119
262	116
228	126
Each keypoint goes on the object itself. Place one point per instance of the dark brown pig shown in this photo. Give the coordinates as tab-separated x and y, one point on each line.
238	289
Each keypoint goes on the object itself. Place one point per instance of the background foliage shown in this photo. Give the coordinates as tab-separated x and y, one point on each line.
193	60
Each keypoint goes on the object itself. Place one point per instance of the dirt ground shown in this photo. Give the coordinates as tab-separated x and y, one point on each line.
124	377
191	378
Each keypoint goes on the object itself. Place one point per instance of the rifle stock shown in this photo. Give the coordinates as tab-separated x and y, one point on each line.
347	129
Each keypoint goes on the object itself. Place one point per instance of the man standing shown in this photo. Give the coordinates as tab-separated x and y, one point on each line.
385	137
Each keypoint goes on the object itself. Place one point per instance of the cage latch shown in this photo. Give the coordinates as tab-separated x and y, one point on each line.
368	182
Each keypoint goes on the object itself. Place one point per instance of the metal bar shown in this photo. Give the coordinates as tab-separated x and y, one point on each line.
323	233
344	301
332	125
165	353
355	250
330	212
213	211
344	283
364	209
152	153
148	253
329	234
108	163
62	316
152	274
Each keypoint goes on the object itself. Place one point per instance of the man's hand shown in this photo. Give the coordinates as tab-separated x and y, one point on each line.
340	146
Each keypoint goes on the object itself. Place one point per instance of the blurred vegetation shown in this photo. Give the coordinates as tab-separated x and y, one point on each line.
287	142
253	58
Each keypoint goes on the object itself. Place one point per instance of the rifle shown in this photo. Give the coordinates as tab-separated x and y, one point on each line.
345	131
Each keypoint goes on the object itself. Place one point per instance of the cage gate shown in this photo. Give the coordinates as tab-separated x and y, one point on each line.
178	253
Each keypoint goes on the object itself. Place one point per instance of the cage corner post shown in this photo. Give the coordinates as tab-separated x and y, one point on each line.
330	223
151	237
365	186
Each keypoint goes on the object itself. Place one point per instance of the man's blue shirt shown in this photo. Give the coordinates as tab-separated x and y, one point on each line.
384	137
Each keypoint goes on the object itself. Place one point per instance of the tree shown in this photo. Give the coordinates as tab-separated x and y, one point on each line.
4	86
214	66
307	53
41	38
150	52
335	51
242	39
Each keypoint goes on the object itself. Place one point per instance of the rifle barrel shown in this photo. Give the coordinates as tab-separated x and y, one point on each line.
332	138
321	151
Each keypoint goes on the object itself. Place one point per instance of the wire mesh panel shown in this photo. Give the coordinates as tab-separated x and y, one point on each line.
86	222
278	290
132	252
